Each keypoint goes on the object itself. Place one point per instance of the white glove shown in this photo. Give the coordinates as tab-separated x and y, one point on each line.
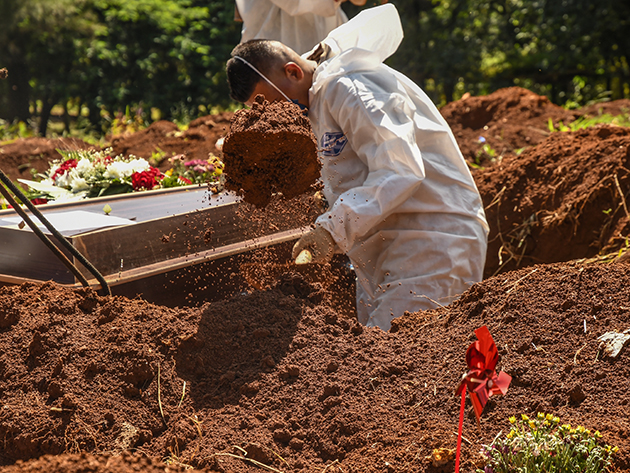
320	244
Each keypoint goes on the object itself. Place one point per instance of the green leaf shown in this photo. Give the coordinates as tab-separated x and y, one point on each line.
115	189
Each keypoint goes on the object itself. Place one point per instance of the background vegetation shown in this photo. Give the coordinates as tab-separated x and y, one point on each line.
98	63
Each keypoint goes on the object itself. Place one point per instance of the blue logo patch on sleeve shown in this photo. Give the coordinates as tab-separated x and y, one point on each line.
333	143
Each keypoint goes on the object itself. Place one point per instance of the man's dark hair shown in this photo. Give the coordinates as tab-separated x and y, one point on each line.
242	79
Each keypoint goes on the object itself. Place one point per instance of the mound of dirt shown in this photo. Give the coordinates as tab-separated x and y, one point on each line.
614	108
563	199
19	157
165	139
270	149
282	378
158	142
278	378
504	121
85	462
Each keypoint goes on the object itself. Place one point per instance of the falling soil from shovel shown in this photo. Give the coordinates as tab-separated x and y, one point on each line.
270	149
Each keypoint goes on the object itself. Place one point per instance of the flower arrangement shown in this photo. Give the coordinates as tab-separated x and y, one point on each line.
541	444
88	173
195	171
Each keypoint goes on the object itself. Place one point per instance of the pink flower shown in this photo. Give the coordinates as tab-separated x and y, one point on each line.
196	162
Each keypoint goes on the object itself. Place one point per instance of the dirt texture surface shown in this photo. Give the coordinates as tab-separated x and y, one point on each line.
124	462
20	158
280	377
563	199
270	149
157	143
166	139
277	377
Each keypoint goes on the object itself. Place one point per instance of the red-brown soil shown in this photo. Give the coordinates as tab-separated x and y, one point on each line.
506	120
282	376
125	462
22	157
278	377
566	198
270	149
165	138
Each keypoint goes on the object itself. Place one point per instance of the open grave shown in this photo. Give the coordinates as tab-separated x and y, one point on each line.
277	376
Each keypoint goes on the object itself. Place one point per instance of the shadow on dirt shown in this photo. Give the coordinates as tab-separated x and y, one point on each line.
238	340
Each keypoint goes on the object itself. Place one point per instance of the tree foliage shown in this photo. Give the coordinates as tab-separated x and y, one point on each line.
168	54
573	51
107	55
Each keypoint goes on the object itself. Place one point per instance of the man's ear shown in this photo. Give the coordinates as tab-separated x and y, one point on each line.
293	71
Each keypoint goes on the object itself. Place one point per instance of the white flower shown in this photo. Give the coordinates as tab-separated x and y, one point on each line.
63	180
116	170
84	166
121	170
139	165
79	184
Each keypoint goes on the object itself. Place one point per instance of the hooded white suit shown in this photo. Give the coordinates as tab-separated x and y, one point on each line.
300	24
403	204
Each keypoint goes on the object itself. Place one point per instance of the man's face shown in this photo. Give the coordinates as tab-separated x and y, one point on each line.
293	80
264	88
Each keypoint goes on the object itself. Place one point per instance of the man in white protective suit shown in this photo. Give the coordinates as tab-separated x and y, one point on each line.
299	24
403	205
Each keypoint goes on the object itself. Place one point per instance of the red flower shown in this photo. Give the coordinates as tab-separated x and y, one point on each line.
145	179
65	167
37	201
185	180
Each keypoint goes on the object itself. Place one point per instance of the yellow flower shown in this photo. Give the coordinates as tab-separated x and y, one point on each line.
597	434
615	449
524	417
580	429
541	415
169	173
549	417
512	420
556	420
510	434
532	425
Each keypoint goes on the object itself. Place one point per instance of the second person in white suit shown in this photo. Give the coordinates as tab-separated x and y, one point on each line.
299	24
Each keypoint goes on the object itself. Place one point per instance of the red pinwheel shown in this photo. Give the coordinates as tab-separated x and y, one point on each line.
482	380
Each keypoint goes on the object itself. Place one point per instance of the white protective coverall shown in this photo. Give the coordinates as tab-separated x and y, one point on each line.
403	204
300	24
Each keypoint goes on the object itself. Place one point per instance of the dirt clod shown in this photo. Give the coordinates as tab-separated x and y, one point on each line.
270	149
